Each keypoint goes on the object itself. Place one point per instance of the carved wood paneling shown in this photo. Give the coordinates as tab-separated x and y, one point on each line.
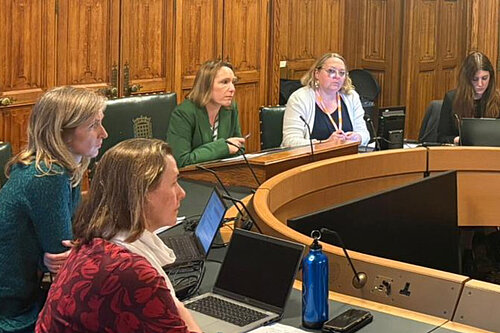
26	48
435	49
87	42
308	29
13	124
145	35
198	32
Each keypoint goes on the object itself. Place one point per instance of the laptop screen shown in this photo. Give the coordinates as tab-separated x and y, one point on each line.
259	267
480	132
210	220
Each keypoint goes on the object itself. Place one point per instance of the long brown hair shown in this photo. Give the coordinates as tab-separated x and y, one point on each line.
58	110
123	177
204	81
463	104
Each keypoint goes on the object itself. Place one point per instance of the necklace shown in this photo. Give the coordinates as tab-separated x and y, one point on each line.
329	113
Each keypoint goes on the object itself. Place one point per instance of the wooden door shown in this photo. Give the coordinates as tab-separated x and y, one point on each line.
245	46
146	46
87	43
433	50
26	62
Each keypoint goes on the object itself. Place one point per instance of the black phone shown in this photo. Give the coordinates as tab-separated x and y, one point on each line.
347	322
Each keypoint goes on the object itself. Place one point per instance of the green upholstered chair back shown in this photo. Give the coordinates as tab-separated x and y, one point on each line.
271	126
137	117
5	155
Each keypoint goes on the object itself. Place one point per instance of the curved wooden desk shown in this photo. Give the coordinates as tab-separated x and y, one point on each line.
325	183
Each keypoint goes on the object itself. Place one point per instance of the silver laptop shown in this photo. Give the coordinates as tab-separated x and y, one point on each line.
253	285
195	246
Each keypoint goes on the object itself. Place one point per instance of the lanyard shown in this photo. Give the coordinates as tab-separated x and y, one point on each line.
215	128
327	110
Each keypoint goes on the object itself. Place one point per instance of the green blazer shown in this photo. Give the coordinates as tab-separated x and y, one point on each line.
190	135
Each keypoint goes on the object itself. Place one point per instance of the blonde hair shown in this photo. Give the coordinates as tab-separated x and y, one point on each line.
309	78
116	202
57	111
204	81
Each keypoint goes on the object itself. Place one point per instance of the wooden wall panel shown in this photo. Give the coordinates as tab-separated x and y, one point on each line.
436	42
374	44
198	33
87	42
308	29
26	48
144	43
13	124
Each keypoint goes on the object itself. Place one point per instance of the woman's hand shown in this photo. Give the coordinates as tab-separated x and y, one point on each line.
337	137
456	140
54	261
187	317
353	136
234	144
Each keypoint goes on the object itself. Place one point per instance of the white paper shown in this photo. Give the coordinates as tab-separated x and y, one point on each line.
277	328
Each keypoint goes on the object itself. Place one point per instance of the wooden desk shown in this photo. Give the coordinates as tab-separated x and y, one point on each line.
236	173
436	293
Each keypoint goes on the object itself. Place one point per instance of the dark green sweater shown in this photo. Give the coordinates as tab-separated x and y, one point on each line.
190	135
35	216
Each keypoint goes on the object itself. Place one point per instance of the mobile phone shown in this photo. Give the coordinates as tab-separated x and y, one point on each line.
348	321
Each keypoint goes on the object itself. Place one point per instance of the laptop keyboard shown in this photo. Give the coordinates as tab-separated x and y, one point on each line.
224	310
182	247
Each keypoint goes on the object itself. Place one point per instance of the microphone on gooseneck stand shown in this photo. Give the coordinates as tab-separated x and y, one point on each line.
310	139
246	161
459	125
251	222
359	280
369	120
201	167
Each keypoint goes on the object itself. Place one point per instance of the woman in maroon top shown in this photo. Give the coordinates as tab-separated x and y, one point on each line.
113	280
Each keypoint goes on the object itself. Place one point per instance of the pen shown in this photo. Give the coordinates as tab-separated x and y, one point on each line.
247	136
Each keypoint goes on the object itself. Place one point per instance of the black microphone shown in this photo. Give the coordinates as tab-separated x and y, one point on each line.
359	280
459	125
369	120
310	133
201	167
246	160
251	222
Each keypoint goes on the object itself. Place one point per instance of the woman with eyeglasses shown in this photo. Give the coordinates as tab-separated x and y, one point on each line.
328	103
475	97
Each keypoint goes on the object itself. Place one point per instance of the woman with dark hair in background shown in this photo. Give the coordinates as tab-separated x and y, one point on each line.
476	96
200	126
38	200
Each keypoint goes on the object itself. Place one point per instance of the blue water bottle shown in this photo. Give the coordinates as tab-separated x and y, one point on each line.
315	285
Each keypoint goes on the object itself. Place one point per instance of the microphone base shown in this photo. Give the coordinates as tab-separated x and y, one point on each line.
360	280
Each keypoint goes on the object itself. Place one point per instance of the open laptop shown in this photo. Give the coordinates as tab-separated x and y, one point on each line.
195	246
480	132
253	283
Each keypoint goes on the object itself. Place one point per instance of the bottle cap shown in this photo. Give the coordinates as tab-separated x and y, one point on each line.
316	235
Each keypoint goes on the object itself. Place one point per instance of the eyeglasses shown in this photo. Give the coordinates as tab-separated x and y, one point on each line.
332	72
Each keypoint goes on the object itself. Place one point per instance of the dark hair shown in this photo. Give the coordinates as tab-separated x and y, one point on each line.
123	177
463	104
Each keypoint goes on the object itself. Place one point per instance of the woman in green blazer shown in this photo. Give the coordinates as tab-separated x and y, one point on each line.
201	126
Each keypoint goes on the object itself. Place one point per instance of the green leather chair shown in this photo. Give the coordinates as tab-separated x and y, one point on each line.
5	155
271	126
137	117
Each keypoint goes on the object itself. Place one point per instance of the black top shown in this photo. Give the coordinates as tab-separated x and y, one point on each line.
448	130
323	127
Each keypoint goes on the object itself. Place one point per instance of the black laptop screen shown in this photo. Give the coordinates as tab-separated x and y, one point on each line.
480	132
259	267
210	220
